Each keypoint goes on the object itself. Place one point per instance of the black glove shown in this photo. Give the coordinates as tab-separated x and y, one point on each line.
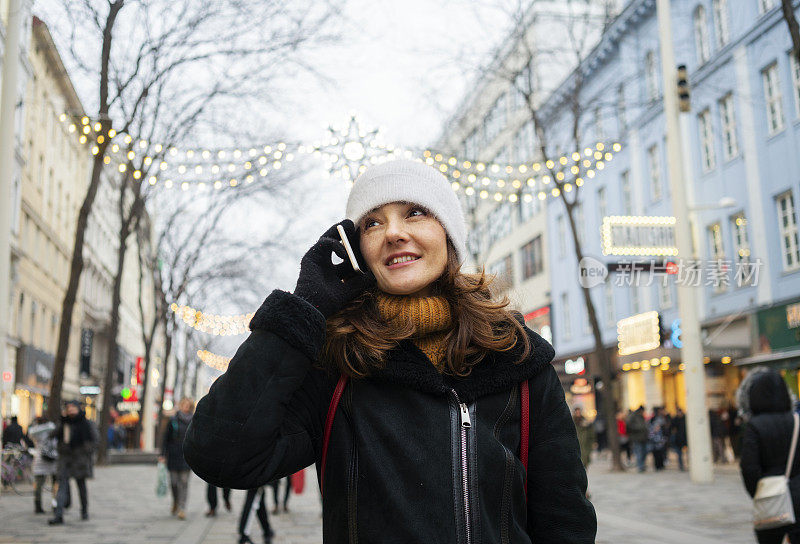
327	286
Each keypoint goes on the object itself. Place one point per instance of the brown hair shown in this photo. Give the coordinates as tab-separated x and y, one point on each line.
358	339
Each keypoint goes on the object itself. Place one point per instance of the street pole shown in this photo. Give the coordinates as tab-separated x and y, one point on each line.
697	428
8	103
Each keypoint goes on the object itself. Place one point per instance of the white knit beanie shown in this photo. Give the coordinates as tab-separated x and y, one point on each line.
405	180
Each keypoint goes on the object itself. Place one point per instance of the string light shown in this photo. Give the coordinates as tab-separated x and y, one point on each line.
217	362
218	325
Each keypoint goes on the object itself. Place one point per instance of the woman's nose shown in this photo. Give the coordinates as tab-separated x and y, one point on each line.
395	231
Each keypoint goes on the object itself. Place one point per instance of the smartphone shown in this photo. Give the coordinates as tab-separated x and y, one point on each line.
348	248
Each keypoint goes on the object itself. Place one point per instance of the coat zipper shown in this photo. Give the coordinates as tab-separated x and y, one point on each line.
466	423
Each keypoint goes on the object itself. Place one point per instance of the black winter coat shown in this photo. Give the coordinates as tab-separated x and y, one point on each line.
76	457
765	450
172	445
395	467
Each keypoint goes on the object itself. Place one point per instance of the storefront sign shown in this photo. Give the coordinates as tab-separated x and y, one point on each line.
35	369
638	333
638	236
574	366
128	406
90	390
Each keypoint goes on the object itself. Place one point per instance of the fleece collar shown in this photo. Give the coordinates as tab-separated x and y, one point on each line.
407	365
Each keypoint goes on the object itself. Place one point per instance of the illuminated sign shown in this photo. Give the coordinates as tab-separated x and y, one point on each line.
640	236
576	366
580	387
793	315
90	390
638	333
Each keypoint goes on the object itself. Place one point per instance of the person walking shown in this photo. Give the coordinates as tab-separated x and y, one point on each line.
766	405
586	435
622	432
678	433
213	500
420	397
45	459
637	436
718	433
14	435
172	454
658	437
76	443
255	500
276	492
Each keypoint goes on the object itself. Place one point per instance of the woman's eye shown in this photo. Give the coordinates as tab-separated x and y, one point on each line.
369	223
417	212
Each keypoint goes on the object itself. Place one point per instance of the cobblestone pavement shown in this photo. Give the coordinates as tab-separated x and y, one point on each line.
650	508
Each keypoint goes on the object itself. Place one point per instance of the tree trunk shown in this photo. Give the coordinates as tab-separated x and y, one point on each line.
608	407
167	354
76	266
794	27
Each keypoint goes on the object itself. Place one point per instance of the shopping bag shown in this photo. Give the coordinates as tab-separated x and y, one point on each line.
298	480
161	483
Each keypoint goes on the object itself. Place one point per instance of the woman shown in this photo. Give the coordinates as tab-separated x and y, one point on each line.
172	454
764	400
425	443
45	459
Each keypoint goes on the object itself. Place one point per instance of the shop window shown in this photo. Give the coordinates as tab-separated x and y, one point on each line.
787	225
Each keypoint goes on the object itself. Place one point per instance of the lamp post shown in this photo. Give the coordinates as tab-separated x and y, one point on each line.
697	426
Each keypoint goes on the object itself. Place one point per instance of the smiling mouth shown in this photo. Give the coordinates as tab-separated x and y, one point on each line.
405	259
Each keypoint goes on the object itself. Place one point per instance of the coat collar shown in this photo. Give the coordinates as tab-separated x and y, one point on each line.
408	366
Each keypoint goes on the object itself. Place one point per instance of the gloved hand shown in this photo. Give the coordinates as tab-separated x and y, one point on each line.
327	286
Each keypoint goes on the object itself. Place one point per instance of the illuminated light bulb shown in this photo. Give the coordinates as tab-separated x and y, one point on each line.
542	195
277	155
98	127
480	167
467	164
562	161
600	165
82	139
616	147
498	197
590	173
456	185
71	128
168	184
587	163
122	167
501	183
509	169
512	197
248	165
184	185
159	147
486	181
484	194
546	180
587	152
84	120
438	157
152	180
131	155
107	160
429	161
523	168
567	187
182	169
527	197
290	157
148	160
574	169
470	191
598	155
237	153
95	150
608	156
495	168
233	182
530	182
137	174
579	182
471	178
456	174
555	191
443	168
516	184
267	149
277	165
600	146
163	165
221	154
86	130
112	133
62	117
537	167
217	185
281	146
189	153
451	161
549	164
231	167
205	154
576	156
114	148
263	172
560	176
100	139
249	178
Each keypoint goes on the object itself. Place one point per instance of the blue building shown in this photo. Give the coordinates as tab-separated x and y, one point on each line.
741	143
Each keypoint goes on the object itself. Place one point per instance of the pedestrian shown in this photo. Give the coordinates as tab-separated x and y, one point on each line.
14	436
275	485
717	436
637	435
76	443
658	437
622	432
678	433
260	508
45	459
601	436
437	369
766	406
212	499
172	454
586	435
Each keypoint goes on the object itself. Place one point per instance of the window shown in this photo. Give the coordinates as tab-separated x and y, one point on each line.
622	119
565	316
655	172
650	75
715	246
772	98
627	198
706	140
608	293
741	246
765	5
562	235
701	35
787	224
796	82
730	146
721	28
664	293
532	262
602	204
504	270
499	222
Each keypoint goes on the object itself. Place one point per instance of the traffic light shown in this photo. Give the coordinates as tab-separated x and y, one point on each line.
684	99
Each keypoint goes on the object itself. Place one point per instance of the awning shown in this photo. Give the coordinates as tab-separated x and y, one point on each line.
783	357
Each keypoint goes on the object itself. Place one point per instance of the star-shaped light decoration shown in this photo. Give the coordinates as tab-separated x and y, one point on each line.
349	149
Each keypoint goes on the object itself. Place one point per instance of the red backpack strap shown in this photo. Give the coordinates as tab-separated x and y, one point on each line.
337	394
524	430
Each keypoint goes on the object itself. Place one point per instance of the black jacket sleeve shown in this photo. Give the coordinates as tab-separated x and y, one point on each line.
263	418
558	510
750	462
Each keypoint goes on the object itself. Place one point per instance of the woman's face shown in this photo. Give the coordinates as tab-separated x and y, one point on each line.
405	247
